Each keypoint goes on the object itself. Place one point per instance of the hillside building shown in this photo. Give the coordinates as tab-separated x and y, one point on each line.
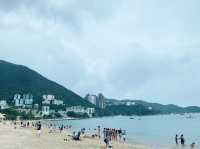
3	104
45	110
28	99
23	101
50	99
57	102
18	100
79	109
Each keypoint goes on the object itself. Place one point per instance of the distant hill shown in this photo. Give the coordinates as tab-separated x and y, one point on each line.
156	107
20	79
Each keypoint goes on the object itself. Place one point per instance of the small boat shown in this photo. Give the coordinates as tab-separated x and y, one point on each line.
189	117
131	118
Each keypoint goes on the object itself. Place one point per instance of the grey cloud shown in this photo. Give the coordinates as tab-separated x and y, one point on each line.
125	49
70	12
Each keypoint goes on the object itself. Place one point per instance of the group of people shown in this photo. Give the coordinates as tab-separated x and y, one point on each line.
55	127
113	135
24	124
181	139
28	124
109	134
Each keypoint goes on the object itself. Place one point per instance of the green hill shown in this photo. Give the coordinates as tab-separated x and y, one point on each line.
156	108
20	79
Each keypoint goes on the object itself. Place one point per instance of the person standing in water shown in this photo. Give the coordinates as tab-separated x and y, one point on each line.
182	140
176	139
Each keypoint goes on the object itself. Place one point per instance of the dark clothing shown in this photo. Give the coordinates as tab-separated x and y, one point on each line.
176	139
77	137
39	126
106	140
182	141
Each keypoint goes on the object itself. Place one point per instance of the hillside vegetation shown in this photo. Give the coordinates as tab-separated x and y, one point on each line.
20	79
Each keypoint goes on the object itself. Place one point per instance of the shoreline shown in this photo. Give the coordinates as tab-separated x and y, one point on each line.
74	118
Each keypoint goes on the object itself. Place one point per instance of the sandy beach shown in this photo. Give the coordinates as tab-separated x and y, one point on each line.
26	138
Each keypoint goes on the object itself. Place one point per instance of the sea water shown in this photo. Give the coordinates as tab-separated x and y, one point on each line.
156	131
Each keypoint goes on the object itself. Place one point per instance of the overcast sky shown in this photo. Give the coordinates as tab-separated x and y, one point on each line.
137	49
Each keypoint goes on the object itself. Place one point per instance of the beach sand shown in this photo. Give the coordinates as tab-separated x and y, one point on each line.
26	138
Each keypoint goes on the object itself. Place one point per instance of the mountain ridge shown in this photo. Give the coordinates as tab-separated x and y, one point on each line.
160	108
20	79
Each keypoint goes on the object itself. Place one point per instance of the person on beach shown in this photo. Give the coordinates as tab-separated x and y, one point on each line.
73	134
124	135
39	128
192	145
182	140
77	137
21	123
99	132
15	124
61	128
120	134
176	139
104	133
51	128
106	141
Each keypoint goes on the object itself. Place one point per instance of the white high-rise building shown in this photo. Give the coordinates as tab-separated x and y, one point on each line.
98	101
92	99
101	101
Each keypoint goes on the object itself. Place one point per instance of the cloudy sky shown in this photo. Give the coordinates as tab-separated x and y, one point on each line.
137	49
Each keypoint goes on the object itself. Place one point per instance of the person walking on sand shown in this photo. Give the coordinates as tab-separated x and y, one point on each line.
99	131
39	128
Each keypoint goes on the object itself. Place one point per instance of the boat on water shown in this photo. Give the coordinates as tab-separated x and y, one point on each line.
189	117
131	118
